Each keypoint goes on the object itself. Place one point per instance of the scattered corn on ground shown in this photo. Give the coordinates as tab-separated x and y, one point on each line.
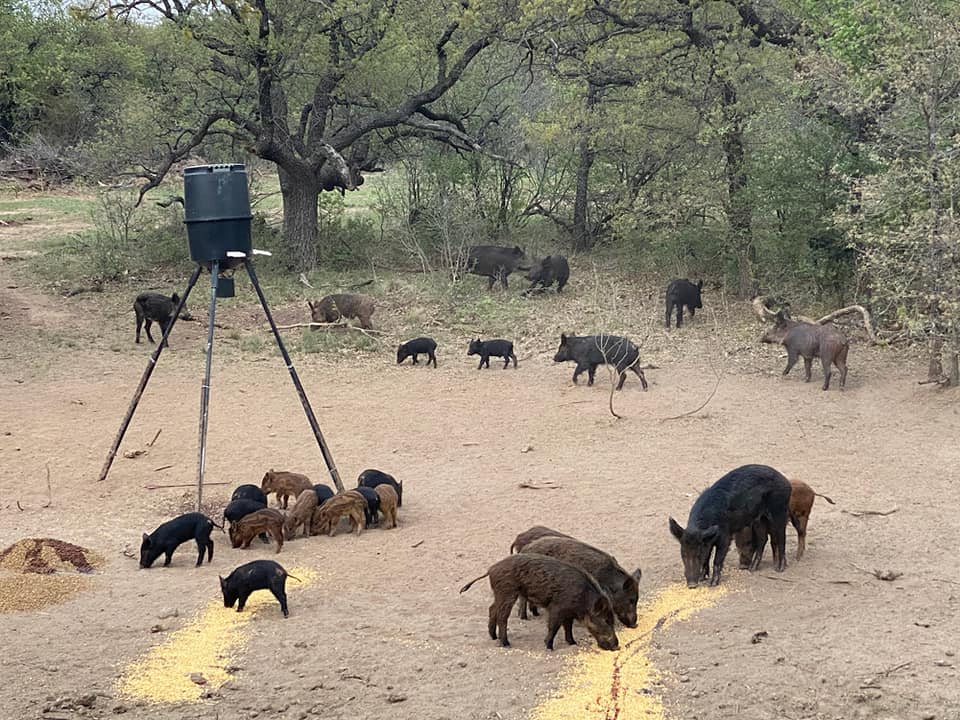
601	685
206	646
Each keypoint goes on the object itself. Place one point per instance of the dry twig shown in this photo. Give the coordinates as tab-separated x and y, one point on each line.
862	513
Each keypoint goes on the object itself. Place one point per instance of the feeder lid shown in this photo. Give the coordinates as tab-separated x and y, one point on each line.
216	192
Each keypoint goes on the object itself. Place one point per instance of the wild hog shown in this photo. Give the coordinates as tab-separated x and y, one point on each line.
173	533
371	512
347	504
496	348
809	340
732	503
151	307
268	521
371	478
345	305
323	492
301	514
534	533
495	262
683	292
589	351
388	504
418	346
249	492
564	591
284	484
622	587
237	509
256	575
801	502
546	271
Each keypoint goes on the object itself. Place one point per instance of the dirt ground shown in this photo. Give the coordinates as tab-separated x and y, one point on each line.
383	631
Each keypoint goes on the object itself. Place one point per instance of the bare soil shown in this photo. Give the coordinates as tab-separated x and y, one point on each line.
384	631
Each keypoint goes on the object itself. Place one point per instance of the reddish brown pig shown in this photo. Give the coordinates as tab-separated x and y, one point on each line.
566	592
801	502
284	484
809	340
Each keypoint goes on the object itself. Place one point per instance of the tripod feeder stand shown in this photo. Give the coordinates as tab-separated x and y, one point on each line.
217	216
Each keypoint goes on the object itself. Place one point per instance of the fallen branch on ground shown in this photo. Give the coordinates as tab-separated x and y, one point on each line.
365	331
862	513
545	485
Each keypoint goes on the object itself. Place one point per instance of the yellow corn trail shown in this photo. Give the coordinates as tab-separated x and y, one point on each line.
603	685
208	644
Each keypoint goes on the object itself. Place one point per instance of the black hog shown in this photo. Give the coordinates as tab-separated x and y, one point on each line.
494	262
534	533
622	587
249	492
173	533
683	292
371	513
151	307
496	348
237	509
732	503
371	478
324	493
546	271
418	346
810	340
333	308
256	575
566	592
589	351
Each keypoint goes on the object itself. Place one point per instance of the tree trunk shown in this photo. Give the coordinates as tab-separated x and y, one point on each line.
582	233
301	194
738	208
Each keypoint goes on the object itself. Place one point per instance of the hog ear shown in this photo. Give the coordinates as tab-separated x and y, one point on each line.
221	581
310	304
675	529
700	285
636	574
563	339
146	538
710	534
175	298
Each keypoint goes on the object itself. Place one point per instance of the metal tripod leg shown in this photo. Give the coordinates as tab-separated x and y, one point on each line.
205	388
311	418
151	364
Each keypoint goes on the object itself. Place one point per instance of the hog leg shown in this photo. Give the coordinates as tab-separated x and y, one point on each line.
622	374
553	625
679	314
799	523
492	620
693	312
578	370
506	361
826	372
278	536
490	280
568	631
759	531
718	558
504	606
169	557
807	362
669	308
522	608
280	594
163	331
246	542
432	358
414	358
778	539
591	371
639	373
139	321
242	601
148	322
792	357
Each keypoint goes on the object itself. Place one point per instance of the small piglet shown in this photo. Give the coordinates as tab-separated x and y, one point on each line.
810	340
324	493
249	492
371	478
496	348
388	504
173	533
256	575
683	292
371	512
732	503
237	509
153	307
418	346
566	592
285	484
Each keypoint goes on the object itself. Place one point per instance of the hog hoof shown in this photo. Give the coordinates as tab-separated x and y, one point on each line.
504	643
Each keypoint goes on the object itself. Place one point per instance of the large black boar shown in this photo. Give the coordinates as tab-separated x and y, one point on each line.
810	340
683	292
495	262
546	271
733	502
333	308
256	575
371	478
151	307
622	587
173	533
566	592
589	351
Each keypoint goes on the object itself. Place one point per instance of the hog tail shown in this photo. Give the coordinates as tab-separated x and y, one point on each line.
467	586
292	577
825	498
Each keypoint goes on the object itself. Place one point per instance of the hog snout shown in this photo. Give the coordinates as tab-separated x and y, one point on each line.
609	643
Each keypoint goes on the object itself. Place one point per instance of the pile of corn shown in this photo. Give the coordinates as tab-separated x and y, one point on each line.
600	684
43	571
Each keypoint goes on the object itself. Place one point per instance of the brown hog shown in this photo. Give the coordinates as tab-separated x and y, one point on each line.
334	307
284	484
566	592
622	587
809	340
534	533
388	504
269	521
326	517
801	502
301	514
